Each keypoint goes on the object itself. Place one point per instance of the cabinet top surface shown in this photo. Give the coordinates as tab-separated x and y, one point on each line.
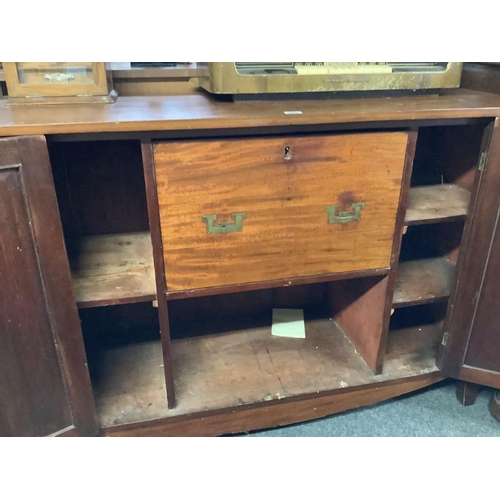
198	112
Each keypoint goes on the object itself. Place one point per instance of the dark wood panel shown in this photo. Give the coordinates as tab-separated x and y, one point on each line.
483	350
479	376
429	241
438	203
423	281
44	382
33	405
155	113
161	286
276	413
100	186
448	155
321	128
358	306
112	269
473	316
414	342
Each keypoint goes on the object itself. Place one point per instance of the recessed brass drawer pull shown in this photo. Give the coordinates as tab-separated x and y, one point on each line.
344	217
224	227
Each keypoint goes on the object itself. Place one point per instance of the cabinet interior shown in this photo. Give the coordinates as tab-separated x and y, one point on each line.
442	186
222	351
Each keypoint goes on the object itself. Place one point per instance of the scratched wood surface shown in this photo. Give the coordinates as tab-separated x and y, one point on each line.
437	203
423	281
202	112
286	232
112	269
242	367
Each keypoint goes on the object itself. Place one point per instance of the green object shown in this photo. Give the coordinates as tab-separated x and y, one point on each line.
224	227
344	217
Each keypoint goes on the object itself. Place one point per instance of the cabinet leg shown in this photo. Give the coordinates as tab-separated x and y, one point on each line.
467	393
495	405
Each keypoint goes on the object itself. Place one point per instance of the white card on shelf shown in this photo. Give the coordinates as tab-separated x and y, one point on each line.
288	323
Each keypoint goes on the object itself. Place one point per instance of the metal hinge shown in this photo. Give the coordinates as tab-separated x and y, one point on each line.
482	160
445	338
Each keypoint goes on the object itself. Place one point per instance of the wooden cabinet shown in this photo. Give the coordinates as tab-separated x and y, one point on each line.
44	382
135	300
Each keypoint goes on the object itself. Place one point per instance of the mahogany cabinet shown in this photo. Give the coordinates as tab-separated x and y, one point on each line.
134	302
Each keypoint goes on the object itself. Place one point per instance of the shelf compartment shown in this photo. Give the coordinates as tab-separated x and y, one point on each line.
409	344
438	203
112	269
423	281
241	367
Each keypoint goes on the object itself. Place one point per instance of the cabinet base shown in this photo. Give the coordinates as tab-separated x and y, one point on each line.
276	413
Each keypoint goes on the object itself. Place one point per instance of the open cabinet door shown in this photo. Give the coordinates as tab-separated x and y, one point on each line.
472	344
44	382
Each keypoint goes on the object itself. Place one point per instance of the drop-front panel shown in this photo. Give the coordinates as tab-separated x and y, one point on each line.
247	210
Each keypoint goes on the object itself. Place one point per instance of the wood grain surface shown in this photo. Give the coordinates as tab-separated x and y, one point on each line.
358	306
159	265
276	413
472	352
234	369
423	281
112	269
26	342
437	203
286	232
44	379
483	350
157	113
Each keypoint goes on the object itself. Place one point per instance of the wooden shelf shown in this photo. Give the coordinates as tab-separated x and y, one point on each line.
112	269
431	204
408	345
246	366
423	281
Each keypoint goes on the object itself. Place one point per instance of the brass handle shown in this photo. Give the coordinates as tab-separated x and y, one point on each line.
58	77
344	217
224	227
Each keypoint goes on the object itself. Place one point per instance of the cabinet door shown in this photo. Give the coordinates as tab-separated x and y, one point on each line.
472	351
44	381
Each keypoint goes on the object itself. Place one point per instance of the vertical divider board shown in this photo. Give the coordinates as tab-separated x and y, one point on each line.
161	286
362	309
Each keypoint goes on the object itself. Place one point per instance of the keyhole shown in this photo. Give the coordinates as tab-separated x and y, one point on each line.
288	153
